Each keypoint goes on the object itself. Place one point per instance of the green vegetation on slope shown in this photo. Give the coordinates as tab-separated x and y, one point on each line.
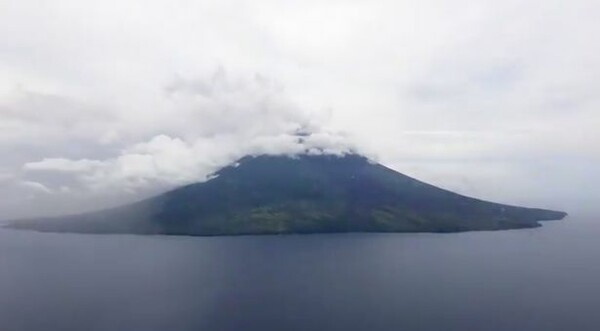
305	194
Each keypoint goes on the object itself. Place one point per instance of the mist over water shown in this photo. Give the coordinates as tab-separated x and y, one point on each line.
534	279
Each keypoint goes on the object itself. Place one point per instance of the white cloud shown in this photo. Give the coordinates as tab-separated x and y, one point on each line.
93	98
65	165
39	187
172	161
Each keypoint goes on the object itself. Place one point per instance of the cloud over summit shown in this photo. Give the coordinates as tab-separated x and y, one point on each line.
205	125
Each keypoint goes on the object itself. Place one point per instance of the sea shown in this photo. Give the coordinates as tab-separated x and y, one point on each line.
542	279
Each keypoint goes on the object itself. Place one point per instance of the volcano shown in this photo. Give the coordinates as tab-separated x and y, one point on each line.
300	194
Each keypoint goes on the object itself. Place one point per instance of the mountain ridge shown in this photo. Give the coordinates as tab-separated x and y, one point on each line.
301	194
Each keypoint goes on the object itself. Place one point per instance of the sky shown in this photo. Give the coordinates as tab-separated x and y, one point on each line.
107	102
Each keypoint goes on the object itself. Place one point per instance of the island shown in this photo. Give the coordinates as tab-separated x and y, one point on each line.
269	194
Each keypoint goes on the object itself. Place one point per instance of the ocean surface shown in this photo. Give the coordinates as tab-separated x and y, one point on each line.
537	279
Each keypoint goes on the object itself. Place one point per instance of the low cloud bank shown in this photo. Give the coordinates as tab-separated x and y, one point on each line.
173	161
198	127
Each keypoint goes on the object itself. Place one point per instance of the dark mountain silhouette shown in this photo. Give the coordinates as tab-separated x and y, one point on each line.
304	194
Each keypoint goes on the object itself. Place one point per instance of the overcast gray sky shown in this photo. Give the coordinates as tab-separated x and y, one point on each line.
105	102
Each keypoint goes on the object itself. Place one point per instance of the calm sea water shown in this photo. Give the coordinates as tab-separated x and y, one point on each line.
539	279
